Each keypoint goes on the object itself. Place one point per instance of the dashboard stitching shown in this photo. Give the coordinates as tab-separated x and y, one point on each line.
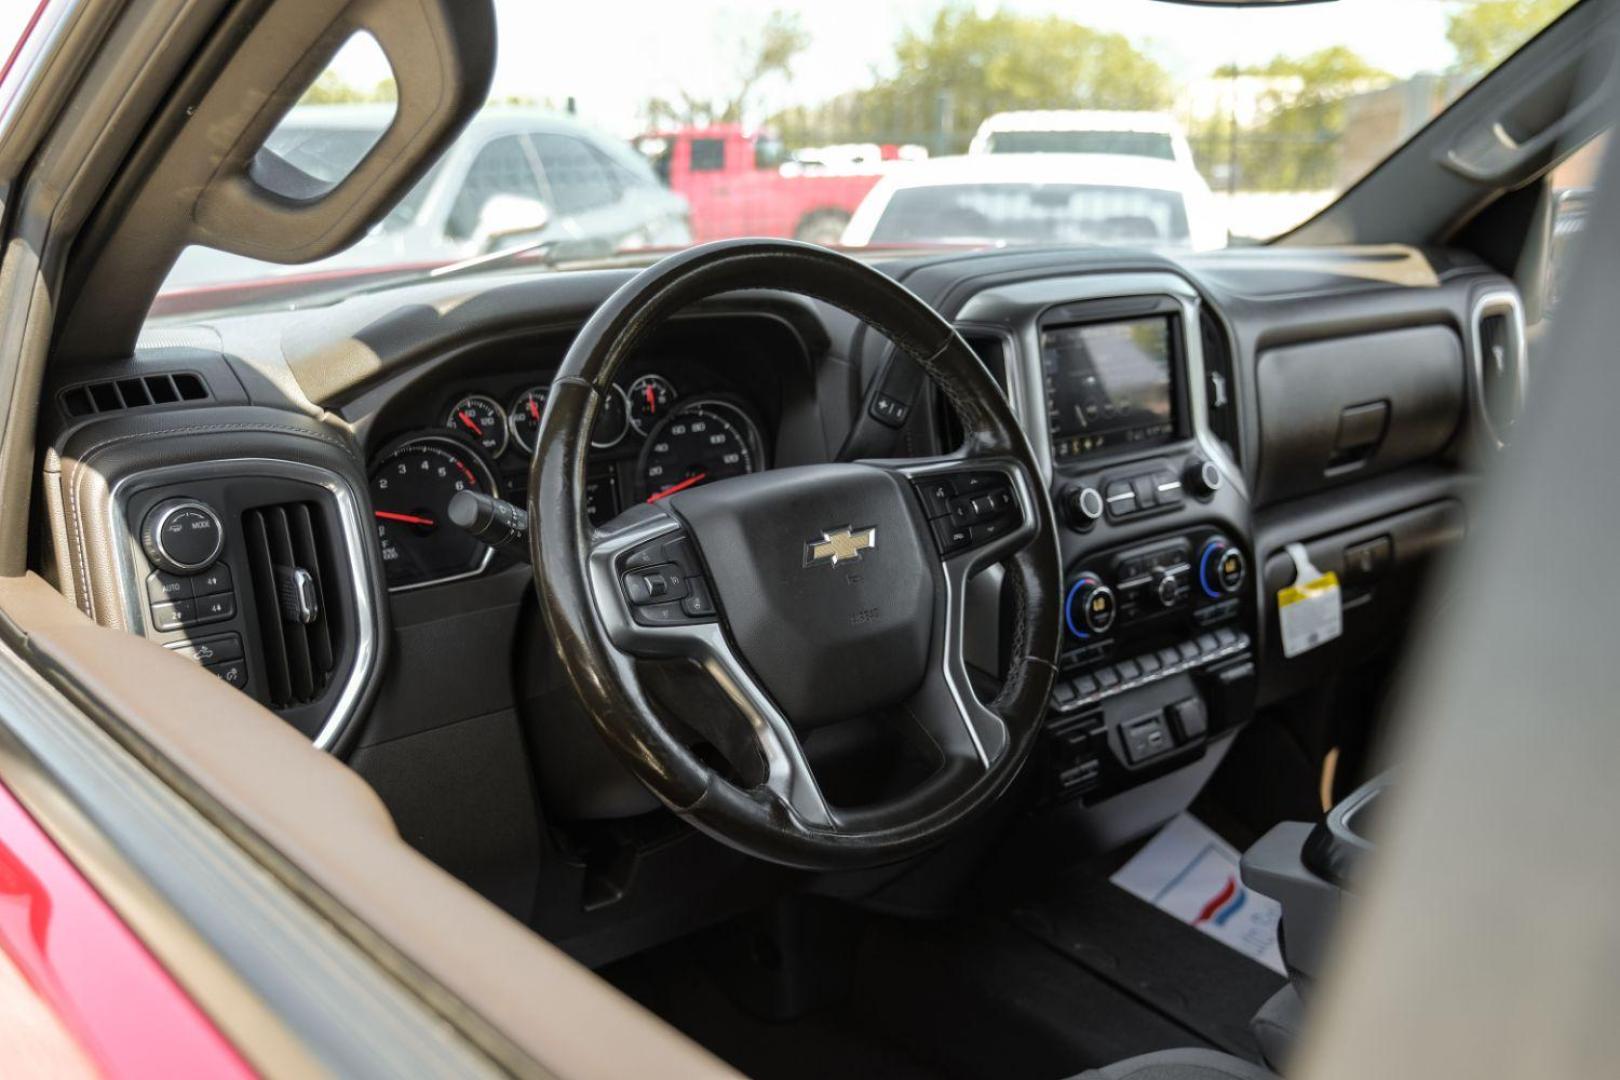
81	466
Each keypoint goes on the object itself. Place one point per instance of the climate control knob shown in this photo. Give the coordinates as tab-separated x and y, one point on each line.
1090	607
182	536
1222	569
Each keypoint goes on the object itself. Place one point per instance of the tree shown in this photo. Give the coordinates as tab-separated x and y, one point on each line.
770	52
1487	33
1295	144
331	89
965	66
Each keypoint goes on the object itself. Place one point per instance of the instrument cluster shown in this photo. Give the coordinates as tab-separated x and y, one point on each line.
650	440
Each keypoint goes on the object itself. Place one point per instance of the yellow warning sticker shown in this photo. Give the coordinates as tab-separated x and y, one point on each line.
1295	593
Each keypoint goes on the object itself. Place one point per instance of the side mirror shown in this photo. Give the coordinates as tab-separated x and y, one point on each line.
507	220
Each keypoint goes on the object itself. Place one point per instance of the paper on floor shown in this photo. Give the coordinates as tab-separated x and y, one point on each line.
1190	873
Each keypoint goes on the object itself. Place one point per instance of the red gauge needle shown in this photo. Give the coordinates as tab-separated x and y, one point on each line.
409	519
465	419
652	398
534	409
682	486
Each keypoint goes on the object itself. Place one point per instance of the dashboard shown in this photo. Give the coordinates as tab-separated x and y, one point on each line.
1200	423
698	405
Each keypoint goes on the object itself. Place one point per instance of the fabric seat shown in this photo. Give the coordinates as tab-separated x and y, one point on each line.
1181	1065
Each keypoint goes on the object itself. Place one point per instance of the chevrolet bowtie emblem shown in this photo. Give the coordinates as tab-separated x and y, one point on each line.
840	545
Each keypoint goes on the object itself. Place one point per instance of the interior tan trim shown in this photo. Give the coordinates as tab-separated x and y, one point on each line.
316	825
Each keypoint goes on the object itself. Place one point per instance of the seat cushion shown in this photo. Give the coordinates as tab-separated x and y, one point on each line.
1181	1065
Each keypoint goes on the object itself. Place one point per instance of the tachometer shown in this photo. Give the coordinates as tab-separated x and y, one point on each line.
700	441
411	489
482	420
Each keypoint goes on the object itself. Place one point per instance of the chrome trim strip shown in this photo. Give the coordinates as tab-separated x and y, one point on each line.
1498	302
355	537
1013	311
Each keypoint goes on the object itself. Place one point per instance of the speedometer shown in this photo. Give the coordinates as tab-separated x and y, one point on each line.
699	442
411	489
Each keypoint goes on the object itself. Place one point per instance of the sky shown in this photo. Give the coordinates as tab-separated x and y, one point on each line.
612	55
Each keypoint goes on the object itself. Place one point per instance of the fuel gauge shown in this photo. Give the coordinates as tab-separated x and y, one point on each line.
650	399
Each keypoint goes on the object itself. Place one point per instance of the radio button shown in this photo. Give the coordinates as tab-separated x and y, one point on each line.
1121	499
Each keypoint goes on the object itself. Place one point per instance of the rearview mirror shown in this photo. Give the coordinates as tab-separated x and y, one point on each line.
507	220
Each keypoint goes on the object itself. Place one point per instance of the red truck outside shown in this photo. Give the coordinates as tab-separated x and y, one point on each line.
737	188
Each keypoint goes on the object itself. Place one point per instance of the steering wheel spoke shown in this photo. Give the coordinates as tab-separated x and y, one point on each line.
656	603
977	511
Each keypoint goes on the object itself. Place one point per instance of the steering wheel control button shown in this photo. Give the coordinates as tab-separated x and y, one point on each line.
699	602
182	536
664	583
950	537
174	616
968	509
210	650
936	495
163	587
655	585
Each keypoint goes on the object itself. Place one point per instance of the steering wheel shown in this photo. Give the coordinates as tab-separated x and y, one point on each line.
807	594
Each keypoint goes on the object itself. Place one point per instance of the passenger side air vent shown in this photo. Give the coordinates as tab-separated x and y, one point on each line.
1499	362
289	559
1220	391
136	392
993	352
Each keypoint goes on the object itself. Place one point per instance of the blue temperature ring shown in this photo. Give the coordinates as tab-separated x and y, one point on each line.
1203	567
1068	605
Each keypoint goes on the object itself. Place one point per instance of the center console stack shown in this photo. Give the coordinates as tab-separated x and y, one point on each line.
1157	658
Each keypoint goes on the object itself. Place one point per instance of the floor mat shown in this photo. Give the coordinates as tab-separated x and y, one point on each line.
672	981
1201	985
1191	874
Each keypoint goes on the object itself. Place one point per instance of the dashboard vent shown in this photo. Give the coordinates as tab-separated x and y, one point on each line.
1220	390
1499	362
289	563
136	392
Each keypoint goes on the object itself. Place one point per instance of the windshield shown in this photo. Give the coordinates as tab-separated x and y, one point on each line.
621	130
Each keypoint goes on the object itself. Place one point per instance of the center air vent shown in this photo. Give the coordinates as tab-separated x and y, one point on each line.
290	566
1499	362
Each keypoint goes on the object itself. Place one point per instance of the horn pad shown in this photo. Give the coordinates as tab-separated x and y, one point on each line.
825	581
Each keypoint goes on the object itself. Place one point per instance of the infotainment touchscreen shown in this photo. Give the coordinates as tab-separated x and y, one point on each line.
1108	385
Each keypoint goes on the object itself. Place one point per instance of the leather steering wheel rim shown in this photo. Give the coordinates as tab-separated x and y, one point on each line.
589	632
